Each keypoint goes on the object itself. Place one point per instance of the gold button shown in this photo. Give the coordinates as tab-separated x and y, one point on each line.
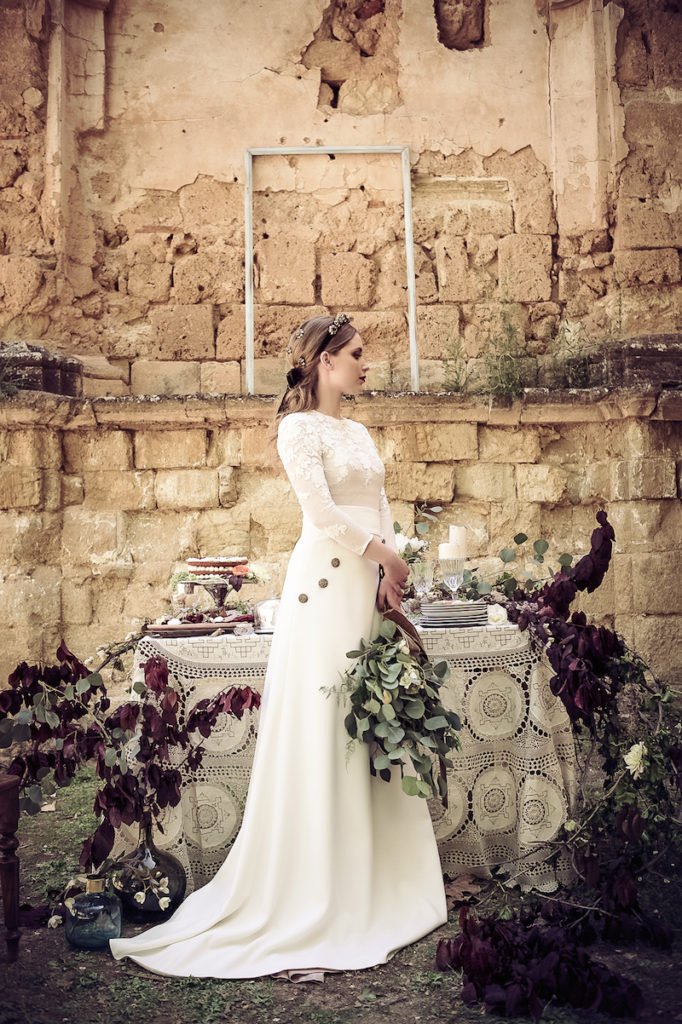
303	598
336	562
323	583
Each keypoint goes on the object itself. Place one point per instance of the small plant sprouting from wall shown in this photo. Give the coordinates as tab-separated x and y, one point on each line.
456	375
570	356
505	372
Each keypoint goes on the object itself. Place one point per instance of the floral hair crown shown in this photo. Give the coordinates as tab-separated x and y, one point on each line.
294	376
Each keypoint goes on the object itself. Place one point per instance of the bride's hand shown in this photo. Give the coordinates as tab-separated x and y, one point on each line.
396	571
389	596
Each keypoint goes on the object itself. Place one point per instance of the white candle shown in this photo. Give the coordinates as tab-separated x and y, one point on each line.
456	546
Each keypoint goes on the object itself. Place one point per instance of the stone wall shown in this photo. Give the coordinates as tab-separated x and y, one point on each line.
545	177
103	499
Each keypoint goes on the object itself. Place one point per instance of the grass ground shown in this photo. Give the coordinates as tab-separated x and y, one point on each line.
54	984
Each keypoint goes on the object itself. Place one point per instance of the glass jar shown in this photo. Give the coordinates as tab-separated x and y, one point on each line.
150	882
93	917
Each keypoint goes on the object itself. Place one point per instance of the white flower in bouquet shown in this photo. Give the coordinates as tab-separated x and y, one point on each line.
403	648
139	897
164	903
414	543
634	759
497	615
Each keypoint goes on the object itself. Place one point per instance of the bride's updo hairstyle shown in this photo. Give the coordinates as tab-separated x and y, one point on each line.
306	345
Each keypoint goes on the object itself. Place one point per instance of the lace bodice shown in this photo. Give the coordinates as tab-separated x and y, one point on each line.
333	463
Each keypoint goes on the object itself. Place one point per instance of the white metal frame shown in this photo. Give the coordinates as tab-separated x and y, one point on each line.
404	153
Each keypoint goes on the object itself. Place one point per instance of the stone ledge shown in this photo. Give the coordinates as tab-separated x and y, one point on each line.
538	406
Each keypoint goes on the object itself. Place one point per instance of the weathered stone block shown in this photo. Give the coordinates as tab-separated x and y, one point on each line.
223	531
20	487
425	277
589	481
76	602
525	264
540	483
438	331
182	332
95	387
20	280
116	489
256	448
509	518
169	449
646	525
391	291
159	536
337	60
642	266
158	377
228	486
657	640
31	598
285	271
644	226
644	478
224	448
440	442
144	600
89	537
71	490
101	449
150	281
519	444
420	481
486	482
456	283
214	275
269	375
655	582
221	378
274	513
213	209
29	538
347	278
186	488
40	448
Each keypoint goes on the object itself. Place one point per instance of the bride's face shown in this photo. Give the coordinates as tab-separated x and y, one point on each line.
346	369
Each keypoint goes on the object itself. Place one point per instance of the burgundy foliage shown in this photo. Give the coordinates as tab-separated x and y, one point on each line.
515	967
60	717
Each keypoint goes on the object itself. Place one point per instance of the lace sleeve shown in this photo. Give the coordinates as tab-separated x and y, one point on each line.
387	531
299	449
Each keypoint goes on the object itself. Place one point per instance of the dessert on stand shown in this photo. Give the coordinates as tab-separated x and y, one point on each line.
218	576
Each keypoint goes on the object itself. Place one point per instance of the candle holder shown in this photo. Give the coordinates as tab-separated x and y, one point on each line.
453	573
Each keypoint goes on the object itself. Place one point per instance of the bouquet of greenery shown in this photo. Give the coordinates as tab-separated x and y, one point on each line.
395	707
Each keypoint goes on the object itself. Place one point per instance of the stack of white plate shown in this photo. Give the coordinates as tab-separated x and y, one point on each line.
454	613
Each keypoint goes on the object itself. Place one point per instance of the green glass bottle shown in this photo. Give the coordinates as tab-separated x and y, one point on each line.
93	917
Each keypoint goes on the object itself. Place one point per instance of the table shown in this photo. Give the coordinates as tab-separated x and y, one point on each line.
512	785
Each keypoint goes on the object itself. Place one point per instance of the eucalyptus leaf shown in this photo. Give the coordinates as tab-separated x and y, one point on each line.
35	794
423	788
381	761
69	691
565	559
409	784
24	717
110	757
374	706
422	528
396	733
397	754
94	679
381	730
21	733
484	588
442	669
520	538
354	654
6	725
388	711
139	687
540	546
507	555
52	719
82	685
415	708
437	722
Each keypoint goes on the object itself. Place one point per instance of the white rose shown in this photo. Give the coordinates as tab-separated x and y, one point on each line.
634	759
401	542
497	615
164	903
139	897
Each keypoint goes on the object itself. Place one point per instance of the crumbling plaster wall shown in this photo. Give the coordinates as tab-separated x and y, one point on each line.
530	150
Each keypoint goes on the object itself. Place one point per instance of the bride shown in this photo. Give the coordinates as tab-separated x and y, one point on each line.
333	869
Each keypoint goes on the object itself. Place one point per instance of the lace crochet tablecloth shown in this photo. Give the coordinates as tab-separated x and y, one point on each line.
513	781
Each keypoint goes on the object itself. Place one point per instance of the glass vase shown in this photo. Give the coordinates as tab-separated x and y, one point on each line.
93	917
150	882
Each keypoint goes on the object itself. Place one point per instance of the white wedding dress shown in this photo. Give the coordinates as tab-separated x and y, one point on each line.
333	869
